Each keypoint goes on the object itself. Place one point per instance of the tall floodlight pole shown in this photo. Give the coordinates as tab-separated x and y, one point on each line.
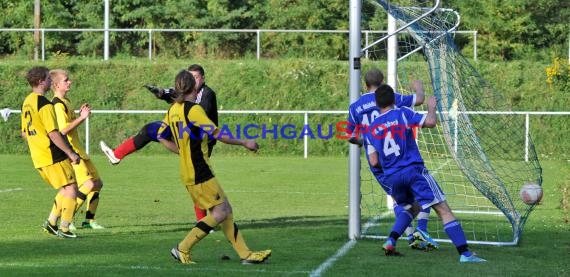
37	31
106	33
354	93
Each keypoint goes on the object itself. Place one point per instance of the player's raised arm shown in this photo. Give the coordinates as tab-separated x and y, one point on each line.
418	87
84	113
431	117
167	94
227	139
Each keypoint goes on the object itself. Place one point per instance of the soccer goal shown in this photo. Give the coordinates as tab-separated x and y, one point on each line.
479	157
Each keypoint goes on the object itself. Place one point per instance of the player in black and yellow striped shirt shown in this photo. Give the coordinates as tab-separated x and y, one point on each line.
191	130
49	151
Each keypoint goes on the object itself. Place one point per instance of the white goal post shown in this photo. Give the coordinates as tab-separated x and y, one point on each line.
355	65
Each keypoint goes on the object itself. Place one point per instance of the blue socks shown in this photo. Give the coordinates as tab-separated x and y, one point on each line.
422	219
403	220
457	236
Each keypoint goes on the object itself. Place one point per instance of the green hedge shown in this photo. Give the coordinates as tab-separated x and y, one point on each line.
260	85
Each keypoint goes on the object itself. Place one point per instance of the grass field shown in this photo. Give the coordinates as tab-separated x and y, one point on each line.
294	206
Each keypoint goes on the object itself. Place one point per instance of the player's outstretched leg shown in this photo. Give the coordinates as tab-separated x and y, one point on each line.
109	153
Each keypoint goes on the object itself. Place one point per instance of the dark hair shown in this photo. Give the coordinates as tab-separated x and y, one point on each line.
36	75
196	67
184	84
373	78
384	96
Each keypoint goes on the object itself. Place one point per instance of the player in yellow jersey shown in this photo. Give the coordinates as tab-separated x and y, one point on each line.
191	129
50	153
88	179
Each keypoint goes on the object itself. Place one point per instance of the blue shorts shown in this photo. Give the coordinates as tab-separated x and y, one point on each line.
415	184
382	182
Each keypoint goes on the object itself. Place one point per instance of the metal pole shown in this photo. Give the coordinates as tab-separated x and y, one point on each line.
106	32
475	46
150	45
43	45
366	43
354	93
87	135
526	136
258	44
37	23
305	139
392	72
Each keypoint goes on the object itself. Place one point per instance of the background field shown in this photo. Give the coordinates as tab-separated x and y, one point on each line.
294	206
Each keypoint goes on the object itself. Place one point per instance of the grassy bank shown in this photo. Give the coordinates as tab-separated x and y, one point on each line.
262	85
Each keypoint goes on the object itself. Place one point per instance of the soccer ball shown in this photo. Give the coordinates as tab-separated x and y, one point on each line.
531	193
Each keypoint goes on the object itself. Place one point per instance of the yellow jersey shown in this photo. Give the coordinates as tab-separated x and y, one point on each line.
64	115
38	119
191	127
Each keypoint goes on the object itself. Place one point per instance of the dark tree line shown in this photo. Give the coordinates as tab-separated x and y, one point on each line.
507	29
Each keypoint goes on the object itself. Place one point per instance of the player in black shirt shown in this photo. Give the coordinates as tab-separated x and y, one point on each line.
206	98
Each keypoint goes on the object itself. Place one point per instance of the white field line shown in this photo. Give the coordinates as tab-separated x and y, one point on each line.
147	268
341	252
10	190
344	249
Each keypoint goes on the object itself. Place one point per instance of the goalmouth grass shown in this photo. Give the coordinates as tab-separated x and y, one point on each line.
296	207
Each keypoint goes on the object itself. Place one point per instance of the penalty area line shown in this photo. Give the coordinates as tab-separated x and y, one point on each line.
343	250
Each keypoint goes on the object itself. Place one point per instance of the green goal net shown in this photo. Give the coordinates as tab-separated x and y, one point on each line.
480	153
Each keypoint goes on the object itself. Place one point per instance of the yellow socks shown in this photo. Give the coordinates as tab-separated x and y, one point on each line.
67	211
93	202
56	209
202	229
233	234
81	196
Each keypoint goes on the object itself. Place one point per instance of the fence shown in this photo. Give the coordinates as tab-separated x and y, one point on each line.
6	112
258	33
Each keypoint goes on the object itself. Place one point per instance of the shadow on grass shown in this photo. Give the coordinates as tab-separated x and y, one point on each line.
278	222
138	243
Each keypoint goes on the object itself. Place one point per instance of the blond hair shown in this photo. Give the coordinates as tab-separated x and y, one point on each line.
56	76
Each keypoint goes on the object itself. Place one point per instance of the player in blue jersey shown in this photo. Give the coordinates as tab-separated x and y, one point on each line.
361	113
392	138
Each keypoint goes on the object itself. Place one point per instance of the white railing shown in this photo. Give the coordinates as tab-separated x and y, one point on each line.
306	113
258	33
